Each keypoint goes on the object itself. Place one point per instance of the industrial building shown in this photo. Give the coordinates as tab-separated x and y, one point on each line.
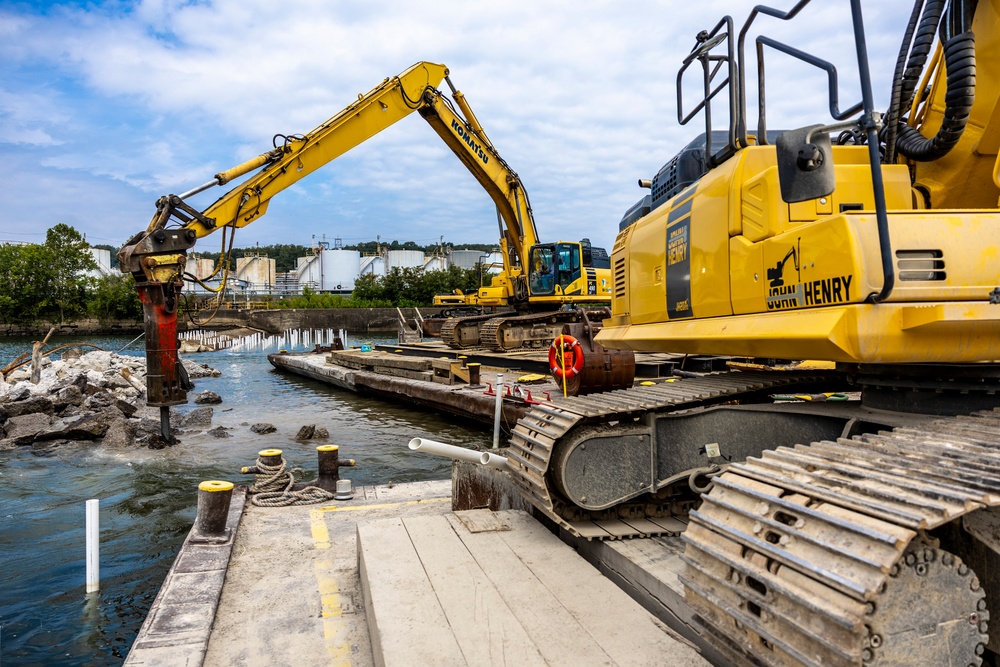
327	270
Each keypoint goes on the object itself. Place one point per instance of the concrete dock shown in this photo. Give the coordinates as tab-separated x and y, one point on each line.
395	577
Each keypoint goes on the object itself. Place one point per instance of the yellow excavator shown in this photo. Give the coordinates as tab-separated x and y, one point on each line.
836	487
542	278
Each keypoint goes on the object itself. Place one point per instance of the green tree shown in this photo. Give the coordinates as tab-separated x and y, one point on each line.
71	257
29	273
414	287
367	287
115	298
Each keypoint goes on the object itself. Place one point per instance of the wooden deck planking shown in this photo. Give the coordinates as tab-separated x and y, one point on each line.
513	595
626	632
405	620
486	629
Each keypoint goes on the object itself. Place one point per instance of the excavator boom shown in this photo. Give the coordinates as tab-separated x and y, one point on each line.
156	256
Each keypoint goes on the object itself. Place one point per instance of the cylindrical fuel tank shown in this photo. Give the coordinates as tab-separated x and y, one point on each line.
404	259
340	268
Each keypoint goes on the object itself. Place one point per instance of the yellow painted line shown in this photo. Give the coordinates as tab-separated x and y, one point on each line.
334	629
329	590
336	508
320	535
331	613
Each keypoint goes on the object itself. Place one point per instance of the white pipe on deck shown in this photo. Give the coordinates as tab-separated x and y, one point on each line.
493	460
458	453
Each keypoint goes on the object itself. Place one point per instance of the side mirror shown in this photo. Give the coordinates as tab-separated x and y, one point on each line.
805	164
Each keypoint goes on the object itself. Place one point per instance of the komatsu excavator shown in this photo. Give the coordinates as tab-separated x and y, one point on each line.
833	513
539	277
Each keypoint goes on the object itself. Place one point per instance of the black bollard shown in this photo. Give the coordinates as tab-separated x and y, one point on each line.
213	508
329	467
473	374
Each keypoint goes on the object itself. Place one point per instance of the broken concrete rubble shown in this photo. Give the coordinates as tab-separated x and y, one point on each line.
98	397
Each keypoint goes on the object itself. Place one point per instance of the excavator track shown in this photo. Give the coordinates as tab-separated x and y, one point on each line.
534	330
829	553
455	333
536	434
820	554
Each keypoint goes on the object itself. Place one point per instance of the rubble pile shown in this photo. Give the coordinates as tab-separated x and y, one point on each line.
98	396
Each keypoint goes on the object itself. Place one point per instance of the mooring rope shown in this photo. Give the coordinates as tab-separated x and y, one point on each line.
273	487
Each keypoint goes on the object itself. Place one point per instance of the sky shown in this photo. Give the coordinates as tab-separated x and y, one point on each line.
107	105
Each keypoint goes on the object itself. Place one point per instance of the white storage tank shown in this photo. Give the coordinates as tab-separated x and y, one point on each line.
103	258
257	271
404	259
436	263
307	272
465	259
372	265
339	269
201	268
493	262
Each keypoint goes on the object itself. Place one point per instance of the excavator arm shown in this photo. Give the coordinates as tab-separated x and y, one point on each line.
466	138
156	256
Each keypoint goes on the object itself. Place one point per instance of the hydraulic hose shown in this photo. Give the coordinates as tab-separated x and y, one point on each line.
959	47
895	103
960	64
923	41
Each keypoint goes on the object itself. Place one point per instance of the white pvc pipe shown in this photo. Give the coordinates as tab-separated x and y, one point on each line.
93	546
441	449
499	409
493	460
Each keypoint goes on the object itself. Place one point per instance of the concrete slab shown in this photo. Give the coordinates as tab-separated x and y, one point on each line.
292	594
176	630
647	569
511	595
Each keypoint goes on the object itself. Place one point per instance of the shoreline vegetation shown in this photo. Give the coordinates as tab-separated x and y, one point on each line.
57	283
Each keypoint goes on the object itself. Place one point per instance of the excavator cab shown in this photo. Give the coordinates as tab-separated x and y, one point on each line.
556	269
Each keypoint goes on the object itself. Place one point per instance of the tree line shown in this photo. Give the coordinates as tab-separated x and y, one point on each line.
49	282
403	287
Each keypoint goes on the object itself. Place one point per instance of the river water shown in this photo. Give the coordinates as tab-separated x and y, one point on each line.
148	498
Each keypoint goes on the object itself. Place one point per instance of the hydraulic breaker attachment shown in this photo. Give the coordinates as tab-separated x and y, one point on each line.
167	382
156	260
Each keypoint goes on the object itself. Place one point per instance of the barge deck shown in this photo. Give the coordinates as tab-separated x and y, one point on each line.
396	577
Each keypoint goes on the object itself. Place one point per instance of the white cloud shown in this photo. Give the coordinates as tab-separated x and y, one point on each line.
578	97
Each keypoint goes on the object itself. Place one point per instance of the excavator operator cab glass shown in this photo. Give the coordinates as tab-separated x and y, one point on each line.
568	264
553	264
542	278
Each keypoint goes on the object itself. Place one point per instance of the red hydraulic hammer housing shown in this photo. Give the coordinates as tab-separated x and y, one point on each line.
156	259
167	382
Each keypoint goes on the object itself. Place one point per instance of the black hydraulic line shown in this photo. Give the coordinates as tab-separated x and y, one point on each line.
919	50
960	64
895	102
869	123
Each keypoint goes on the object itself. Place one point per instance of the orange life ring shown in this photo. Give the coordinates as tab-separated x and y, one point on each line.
572	357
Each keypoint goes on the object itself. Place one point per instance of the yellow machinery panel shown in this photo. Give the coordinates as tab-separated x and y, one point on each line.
795	280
